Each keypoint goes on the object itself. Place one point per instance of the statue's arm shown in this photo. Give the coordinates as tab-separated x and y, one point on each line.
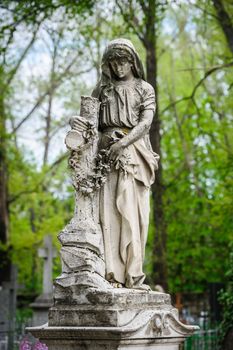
141	129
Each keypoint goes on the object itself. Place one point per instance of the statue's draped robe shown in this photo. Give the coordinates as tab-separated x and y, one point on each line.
124	198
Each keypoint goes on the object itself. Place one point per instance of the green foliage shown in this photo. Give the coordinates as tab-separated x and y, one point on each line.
32	13
38	208
197	153
196	132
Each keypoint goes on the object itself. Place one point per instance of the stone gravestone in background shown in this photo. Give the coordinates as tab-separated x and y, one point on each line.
8	296
100	301
42	303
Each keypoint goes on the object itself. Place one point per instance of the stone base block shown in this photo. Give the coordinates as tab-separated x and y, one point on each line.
71	338
110	338
115	307
114	319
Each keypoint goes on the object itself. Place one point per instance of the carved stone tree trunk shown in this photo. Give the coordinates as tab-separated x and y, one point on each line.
82	252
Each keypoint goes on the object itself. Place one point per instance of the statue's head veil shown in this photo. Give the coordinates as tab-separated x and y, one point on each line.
122	46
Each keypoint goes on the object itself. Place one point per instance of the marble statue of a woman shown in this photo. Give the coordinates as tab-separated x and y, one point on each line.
126	113
104	243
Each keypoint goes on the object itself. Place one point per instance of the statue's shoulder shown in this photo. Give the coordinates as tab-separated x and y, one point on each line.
145	88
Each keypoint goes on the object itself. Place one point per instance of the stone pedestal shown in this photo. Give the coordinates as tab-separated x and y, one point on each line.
88	313
113	319
41	307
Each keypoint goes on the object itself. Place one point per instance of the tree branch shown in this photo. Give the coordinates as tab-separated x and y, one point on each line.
50	90
58	161
207	74
15	69
203	10
143	6
51	168
132	21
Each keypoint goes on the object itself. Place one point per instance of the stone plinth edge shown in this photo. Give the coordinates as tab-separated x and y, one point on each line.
148	324
115	307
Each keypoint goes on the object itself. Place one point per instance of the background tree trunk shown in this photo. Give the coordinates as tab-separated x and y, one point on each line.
225	21
47	130
5	267
159	246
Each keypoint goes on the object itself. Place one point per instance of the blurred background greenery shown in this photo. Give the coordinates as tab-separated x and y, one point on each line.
50	55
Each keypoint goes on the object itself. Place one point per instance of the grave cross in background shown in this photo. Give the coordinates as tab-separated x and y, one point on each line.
44	301
47	253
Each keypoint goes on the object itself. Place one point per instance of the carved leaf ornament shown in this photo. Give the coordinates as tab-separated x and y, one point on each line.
89	177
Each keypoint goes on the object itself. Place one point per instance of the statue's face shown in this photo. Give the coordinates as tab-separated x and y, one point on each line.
121	67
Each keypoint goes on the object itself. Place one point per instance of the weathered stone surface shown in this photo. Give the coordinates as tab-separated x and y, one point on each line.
113	308
66	285
115	324
118	298
114	319
79	237
82	252
75	343
76	259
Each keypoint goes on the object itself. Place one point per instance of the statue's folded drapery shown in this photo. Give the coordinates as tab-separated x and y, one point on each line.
124	198
124	215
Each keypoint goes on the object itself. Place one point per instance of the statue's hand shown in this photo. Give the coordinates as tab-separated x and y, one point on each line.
78	123
116	151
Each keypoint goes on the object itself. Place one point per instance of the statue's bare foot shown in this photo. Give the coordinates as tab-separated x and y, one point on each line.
116	285
143	287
